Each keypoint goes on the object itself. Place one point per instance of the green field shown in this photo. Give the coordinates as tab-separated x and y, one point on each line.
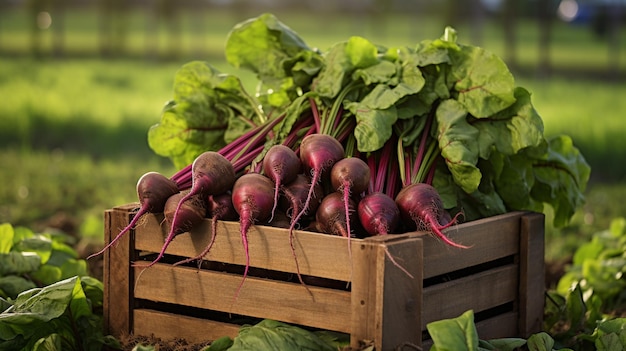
73	131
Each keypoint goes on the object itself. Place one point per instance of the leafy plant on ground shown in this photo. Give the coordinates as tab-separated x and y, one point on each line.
47	300
587	307
584	312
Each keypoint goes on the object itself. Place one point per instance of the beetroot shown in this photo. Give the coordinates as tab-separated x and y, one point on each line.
212	174
253	199
318	153
350	176
281	165
331	216
378	214
219	207
295	195
420	203
153	190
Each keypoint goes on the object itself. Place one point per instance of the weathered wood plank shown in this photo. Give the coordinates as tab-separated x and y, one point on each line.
117	303
366	294
532	274
318	255
263	298
479	292
169	326
501	326
490	238
402	295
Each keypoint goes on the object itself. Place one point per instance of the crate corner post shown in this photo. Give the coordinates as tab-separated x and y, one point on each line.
386	301
532	273
117	304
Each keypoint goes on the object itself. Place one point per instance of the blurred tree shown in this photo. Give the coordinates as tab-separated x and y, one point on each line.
113	26
615	18
35	8
546	12
509	23
379	15
477	21
168	12
58	26
452	12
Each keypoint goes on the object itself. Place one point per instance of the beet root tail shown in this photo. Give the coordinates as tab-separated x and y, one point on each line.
132	223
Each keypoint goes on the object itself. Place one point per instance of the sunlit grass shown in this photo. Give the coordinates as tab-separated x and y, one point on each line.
40	185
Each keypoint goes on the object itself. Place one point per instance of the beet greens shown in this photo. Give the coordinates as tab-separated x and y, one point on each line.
437	112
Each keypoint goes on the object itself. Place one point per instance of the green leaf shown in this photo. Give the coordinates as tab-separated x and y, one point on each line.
503	344
221	344
273	335
454	334
575	307
511	130
615	325
601	275
611	334
589	250
94	290
200	116
4	304
34	308
458	144
380	72
618	227
21	233
6	237
48	274
561	178
540	342
282	61
609	342
263	44
373	126
19	263
13	285
514	180
429	52
39	244
361	52
50	343
483	82
342	59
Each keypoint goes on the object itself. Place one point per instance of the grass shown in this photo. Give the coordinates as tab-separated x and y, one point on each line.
73	133
59	187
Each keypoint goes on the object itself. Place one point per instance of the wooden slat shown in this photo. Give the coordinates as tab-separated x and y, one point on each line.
366	295
287	302
168	326
501	326
490	238
479	292
116	275
402	300
532	274
385	300
318	254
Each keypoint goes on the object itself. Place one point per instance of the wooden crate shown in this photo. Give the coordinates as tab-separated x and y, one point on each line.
501	278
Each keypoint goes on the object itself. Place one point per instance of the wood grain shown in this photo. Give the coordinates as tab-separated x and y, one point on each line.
169	326
263	298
